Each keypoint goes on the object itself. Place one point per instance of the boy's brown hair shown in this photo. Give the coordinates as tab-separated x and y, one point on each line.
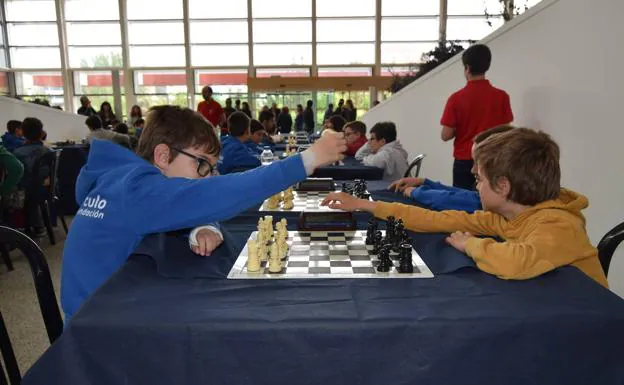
179	128
356	126
238	124
529	159
492	131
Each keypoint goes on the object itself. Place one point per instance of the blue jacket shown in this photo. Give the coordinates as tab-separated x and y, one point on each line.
437	196
235	154
123	198
11	142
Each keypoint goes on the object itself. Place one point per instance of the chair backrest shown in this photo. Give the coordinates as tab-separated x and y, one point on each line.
608	244
48	160
41	275
415	163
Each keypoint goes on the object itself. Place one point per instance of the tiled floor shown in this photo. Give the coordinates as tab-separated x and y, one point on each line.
18	302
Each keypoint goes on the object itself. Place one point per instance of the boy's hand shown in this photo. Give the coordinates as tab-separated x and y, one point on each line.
458	240
328	149
403	183
408	191
207	241
347	202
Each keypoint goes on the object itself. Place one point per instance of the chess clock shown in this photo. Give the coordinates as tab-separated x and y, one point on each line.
326	221
316	184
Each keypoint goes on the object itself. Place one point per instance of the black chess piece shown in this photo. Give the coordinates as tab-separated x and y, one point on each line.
397	235
405	259
344	187
385	263
377	242
371	231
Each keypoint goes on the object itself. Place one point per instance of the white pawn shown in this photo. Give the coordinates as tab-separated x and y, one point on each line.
275	265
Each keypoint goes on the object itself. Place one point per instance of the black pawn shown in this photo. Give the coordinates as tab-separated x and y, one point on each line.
385	263
377	242
405	259
370	231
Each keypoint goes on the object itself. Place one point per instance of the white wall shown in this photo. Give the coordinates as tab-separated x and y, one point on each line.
562	64
58	124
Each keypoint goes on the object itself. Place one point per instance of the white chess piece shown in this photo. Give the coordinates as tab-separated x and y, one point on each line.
253	260
275	265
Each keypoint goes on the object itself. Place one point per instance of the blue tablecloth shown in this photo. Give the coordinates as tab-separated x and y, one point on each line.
351	169
170	317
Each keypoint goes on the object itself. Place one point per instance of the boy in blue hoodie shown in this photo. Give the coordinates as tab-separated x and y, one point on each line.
256	138
126	196
13	138
235	153
440	197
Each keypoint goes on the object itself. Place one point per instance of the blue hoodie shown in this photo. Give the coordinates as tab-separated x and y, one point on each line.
11	142
235	154
123	198
440	197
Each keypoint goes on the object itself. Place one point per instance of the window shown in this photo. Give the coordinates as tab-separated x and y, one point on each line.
344	30
289	72
91	10
350	8
412	29
220	55
474	7
404	53
207	32
146	10
281	8
282	54
32	34
471	28
282	31
40	85
409	8
354	53
211	47
198	9
328	72
160	87
226	83
98	87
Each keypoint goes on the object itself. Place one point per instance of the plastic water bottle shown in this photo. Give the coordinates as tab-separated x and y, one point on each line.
267	155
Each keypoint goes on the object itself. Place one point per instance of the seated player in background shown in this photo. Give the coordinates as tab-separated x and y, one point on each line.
97	131
518	179
14	137
384	151
235	154
335	123
28	154
355	134
166	186
257	136
267	119
138	127
437	196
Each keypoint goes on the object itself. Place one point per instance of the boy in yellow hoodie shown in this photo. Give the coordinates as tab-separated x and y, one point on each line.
518	179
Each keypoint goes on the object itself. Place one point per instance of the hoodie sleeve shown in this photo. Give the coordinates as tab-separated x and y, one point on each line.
541	251
437	185
13	170
448	198
362	152
380	160
155	203
423	220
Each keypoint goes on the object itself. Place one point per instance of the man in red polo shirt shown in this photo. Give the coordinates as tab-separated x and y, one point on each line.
472	110
211	110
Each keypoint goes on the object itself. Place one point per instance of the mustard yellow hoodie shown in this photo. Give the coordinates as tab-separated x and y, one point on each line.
546	236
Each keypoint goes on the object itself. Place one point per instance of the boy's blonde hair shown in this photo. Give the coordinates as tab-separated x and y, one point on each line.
529	159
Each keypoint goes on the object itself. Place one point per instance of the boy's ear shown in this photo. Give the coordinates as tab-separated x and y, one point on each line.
503	186
162	156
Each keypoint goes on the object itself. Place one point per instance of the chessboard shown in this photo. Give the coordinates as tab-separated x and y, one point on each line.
323	254
302	201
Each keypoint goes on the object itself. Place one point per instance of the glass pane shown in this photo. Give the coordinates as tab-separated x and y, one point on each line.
2	58
392	71
81	57
83	34
93	83
282	54
156	33
345	53
334	30
224	78
282	72
282	31
281	8
212	31
332	8
33	34
329	72
410	29
30	10
157	56
234	9
87	10
409	8
404	53
159	82
39	83
173	98
474	7
147	10
460	28
35	58
4	83
220	55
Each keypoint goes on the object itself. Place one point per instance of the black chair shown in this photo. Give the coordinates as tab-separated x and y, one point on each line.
608	244
44	195
416	162
45	294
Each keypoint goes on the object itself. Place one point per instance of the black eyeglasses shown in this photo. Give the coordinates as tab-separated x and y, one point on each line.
204	168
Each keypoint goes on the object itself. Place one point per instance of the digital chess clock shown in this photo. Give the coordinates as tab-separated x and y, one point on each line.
326	221
316	184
